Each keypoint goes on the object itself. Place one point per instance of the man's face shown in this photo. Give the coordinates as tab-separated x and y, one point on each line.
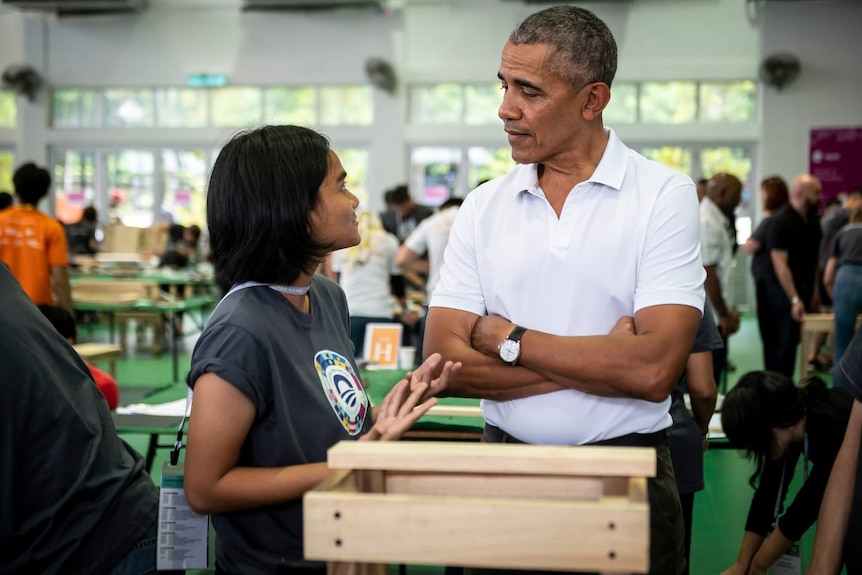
812	194
540	113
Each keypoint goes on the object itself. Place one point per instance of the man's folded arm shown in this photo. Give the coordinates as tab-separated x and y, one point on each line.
447	332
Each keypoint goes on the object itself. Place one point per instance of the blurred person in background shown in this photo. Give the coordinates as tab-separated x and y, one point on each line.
843	281
776	423
33	244
368	275
81	235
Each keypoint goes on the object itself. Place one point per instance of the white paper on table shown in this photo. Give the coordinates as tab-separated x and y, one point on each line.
177	408
716	431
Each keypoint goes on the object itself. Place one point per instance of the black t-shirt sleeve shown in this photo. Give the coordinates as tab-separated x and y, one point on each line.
234	355
848	374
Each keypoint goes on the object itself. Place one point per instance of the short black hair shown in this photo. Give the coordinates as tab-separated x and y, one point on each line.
451	202
89	214
5	200
263	188
398	195
61	319
31	183
759	402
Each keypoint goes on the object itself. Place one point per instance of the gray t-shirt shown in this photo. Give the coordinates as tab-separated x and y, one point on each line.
299	372
848	245
74	498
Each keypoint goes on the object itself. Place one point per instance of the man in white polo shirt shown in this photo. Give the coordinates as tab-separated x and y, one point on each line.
543	263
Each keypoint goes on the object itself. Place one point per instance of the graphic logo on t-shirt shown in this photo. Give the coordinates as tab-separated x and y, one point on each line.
343	389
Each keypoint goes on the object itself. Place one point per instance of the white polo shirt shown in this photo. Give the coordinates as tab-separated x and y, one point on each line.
717	248
626	239
432	235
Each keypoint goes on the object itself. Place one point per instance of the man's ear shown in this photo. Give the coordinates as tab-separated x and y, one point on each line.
597	100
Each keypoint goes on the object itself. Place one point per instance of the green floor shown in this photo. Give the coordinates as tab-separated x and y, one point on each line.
720	510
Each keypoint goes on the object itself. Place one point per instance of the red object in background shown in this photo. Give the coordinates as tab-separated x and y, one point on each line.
835	157
107	385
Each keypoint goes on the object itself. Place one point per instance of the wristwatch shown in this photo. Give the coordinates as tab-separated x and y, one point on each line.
794	300
510	349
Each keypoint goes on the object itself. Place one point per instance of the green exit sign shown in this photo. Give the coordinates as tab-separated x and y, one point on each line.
206	80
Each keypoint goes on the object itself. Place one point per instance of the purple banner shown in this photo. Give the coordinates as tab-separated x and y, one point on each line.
835	157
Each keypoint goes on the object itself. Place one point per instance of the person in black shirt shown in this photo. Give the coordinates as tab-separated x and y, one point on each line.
840	519
75	498
81	236
775	423
792	241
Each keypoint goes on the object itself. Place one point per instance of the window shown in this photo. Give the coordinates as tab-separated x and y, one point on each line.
667	102
74	190
437	104
291	106
129	108
623	107
76	108
487	164
181	108
131	192
8	109
355	163
438	173
674	102
728	101
236	107
184	184
7	168
435	174
675	157
481	104
346	106
469	104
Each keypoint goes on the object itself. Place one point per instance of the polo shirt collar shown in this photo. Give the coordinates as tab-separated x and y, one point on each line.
610	172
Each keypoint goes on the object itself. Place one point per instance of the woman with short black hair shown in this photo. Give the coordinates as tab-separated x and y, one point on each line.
776	423
275	380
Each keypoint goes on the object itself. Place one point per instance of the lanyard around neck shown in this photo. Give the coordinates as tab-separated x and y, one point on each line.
290	290
783	473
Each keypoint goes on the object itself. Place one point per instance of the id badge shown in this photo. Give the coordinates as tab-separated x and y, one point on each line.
790	563
182	532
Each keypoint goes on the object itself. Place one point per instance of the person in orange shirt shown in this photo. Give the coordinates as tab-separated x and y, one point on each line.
33	244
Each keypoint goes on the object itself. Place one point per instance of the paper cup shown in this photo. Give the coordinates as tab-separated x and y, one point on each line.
407	357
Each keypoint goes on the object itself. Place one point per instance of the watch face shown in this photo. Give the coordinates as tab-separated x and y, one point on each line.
510	350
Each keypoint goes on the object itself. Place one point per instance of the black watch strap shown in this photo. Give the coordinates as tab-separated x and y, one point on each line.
517	333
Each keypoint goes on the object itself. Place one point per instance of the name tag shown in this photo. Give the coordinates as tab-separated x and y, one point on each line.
790	563
182	532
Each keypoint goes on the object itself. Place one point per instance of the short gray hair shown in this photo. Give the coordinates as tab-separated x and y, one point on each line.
585	49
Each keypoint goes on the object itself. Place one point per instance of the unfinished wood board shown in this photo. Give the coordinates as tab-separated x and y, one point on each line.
495	458
609	535
482	505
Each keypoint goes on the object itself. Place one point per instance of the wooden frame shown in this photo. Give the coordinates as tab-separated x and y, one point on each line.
813	323
481	505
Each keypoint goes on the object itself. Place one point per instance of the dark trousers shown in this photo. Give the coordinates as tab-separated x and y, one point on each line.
778	330
687	502
667	533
